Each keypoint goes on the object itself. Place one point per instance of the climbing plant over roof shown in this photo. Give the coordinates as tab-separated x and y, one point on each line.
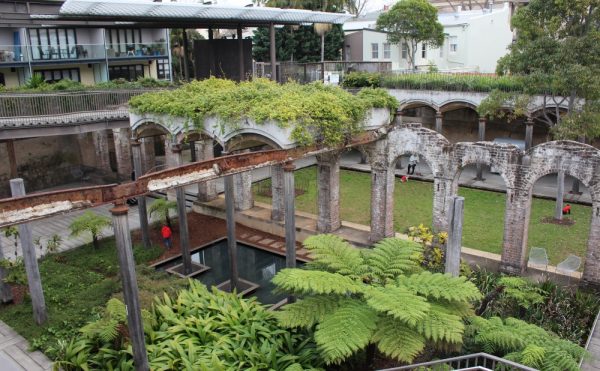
316	113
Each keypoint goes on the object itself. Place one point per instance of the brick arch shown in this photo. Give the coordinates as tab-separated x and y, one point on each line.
578	160
497	155
428	144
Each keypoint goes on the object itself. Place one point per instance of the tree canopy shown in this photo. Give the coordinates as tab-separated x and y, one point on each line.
558	51
412	22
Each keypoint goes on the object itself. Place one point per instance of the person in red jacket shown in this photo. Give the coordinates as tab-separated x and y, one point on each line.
566	210
166	235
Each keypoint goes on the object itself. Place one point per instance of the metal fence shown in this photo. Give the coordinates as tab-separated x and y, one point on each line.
60	103
332	72
476	361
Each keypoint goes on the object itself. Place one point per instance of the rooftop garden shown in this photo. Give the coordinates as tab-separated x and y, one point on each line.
315	113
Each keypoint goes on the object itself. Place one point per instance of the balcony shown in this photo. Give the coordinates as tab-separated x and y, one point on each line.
57	53
136	50
12	54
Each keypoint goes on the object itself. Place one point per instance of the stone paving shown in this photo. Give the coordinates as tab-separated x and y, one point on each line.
14	354
593	347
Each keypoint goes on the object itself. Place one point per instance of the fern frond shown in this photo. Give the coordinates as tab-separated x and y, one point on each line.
300	281
533	356
335	254
440	286
345	331
398	303
308	311
392	257
441	324
556	360
398	341
116	309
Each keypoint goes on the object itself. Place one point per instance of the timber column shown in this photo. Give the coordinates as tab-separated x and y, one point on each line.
290	216
34	279
231	236
453	247
130	287
5	290
481	132
328	183
136	150
123	153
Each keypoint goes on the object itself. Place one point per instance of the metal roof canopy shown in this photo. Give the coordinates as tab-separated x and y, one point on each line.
178	15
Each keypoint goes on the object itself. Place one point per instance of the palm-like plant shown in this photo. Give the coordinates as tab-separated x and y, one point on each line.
161	208
378	296
92	223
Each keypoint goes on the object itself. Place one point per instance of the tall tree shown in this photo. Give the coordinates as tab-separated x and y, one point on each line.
557	52
412	22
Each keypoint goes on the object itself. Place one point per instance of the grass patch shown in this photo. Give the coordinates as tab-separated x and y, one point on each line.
483	220
77	284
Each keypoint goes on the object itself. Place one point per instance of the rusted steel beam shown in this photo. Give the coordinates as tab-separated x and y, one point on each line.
42	205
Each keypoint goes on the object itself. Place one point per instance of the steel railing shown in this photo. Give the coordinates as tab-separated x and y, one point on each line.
476	361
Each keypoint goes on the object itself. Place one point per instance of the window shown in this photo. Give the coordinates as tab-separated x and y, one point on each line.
453	44
57	75
123	40
387	53
130	72
404	51
374	50
162	69
53	43
424	51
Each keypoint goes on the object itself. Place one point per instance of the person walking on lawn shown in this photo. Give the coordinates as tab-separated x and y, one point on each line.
166	235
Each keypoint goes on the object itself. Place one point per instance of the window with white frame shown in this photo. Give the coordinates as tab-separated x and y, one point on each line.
453	44
374	50
424	51
404	51
387	51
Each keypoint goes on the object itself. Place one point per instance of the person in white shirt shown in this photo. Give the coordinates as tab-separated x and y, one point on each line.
412	163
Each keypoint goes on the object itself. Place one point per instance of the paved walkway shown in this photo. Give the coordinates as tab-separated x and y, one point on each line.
593	347
14	355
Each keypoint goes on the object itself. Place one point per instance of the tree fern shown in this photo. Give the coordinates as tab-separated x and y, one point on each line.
335	254
399	303
301	281
348	329
441	325
308	311
533	356
440	286
392	257
398	341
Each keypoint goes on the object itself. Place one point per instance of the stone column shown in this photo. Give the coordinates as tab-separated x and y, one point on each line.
243	191
123	153
455	221
443	190
290	216
382	203
184	237
101	146
560	193
398	117
439	122
142	211
34	280
277	199
328	183
12	158
172	154
528	133
148	154
130	287
207	191
5	290
231	236
516	227
591	269
482	122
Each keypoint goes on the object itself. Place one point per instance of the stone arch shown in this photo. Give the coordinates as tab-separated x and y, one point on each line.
417	103
148	127
241	138
454	104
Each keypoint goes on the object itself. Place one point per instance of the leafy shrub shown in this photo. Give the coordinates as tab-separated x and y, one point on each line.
14	270
67	84
200	330
453	82
379	296
36	82
524	343
433	255
316	113
92	223
362	80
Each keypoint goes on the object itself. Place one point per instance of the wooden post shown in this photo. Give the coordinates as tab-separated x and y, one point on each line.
136	150
186	55
34	280
290	217
5	290
560	191
455	226
482	122
241	52
130	288
231	237
273	52
184	237
12	158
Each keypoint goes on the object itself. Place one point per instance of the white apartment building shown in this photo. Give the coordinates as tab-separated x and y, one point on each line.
475	40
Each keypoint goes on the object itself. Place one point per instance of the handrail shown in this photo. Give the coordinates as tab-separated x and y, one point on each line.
476	361
25	104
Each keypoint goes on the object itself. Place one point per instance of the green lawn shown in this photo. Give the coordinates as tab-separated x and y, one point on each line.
484	213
